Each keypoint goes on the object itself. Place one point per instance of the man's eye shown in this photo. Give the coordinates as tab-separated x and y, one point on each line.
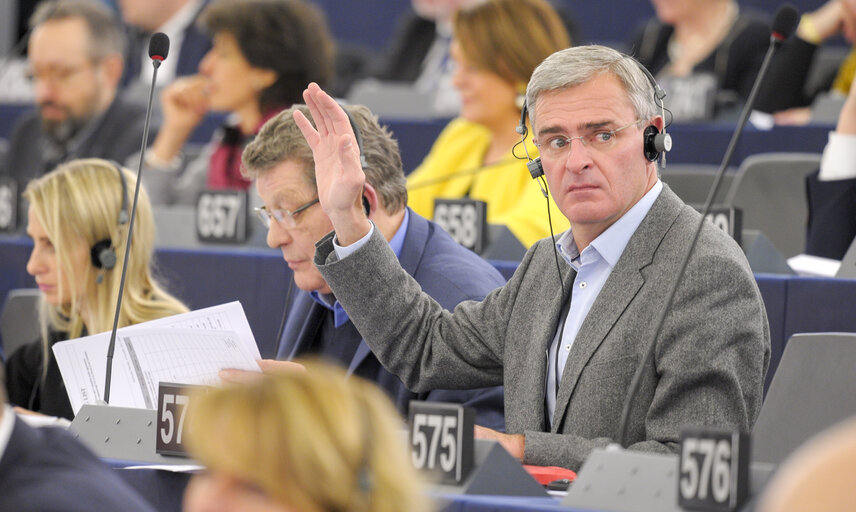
602	137
557	142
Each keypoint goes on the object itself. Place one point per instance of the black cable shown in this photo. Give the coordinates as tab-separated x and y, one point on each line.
284	315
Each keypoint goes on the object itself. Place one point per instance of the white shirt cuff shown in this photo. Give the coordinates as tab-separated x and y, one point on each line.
839	158
344	252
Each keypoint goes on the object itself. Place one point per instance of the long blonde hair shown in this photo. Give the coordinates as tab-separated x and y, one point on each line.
79	203
291	434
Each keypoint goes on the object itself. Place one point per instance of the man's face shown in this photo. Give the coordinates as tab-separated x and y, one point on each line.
284	187
593	187
70	86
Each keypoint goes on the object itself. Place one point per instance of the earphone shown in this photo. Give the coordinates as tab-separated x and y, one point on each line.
102	253
363	163
655	143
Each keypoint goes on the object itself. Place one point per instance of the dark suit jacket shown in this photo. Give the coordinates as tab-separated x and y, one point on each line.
831	216
447	272
116	135
709	363
194	46
46	470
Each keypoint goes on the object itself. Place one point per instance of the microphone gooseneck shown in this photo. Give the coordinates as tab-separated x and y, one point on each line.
158	50
783	25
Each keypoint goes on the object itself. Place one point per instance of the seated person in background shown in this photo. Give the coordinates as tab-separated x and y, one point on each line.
704	53
280	162
419	50
832	189
566	341
78	220
300	440
264	54
47	469
175	18
497	45
75	57
784	91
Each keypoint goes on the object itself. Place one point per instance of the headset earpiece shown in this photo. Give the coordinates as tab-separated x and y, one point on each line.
655	143
367	207
102	254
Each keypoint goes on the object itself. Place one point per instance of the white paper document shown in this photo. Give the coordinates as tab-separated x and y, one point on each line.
185	349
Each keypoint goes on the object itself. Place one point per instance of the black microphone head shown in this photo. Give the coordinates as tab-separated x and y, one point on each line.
159	46
784	22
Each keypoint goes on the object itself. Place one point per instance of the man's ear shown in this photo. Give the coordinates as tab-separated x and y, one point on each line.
370	200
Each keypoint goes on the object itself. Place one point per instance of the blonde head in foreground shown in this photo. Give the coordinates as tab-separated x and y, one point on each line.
308	441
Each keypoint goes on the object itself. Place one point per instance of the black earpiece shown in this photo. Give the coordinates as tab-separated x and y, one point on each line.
366	206
536	170
102	253
655	143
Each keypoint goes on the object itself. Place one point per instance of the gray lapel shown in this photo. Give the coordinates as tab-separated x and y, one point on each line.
619	290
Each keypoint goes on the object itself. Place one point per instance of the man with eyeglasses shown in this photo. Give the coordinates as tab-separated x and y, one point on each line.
75	59
314	323
567	332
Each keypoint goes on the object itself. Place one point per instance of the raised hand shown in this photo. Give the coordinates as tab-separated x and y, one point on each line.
339	177
184	103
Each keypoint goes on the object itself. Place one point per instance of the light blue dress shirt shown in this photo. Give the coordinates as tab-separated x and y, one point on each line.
593	267
329	301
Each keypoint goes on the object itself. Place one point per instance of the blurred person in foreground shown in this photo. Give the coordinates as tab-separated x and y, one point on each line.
76	216
310	440
43	469
496	46
568	331
264	53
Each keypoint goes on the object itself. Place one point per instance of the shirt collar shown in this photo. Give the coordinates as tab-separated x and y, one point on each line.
327	300
611	243
175	25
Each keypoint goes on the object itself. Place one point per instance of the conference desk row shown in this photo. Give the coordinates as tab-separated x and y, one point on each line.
259	278
702	143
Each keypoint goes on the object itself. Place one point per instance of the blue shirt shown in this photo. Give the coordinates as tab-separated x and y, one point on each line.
340	318
593	267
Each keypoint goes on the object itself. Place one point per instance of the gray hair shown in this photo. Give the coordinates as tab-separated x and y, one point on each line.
105	32
575	66
280	140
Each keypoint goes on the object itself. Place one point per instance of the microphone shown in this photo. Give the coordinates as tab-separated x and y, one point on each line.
158	51
784	23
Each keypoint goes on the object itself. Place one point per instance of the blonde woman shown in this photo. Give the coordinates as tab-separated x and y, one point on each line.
78	220
300	440
496	46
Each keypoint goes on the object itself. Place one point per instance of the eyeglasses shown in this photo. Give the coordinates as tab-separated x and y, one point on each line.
285	218
55	75
559	146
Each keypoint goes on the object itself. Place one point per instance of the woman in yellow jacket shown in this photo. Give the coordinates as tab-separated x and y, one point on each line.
497	45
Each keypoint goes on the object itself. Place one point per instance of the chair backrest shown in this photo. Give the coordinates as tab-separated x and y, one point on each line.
811	390
770	189
19	320
692	182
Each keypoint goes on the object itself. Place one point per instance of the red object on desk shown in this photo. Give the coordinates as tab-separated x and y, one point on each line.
546	474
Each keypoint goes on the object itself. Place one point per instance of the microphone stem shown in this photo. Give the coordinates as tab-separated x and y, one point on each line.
112	346
652	344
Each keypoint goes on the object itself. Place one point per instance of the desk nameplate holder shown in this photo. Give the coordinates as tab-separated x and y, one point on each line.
495	472
627	481
121	433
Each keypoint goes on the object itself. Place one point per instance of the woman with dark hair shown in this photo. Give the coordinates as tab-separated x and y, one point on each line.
264	54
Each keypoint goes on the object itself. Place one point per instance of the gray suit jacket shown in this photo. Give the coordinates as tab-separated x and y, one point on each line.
709	362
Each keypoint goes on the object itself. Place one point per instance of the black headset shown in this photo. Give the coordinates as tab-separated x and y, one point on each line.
655	144
363	163
103	253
